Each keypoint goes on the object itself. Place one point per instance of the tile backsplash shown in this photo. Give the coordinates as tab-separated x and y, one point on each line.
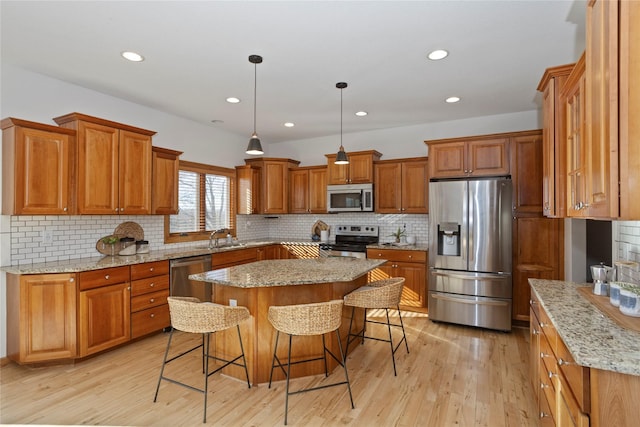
628	243
36	239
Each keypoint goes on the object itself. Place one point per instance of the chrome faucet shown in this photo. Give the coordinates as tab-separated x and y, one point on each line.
214	235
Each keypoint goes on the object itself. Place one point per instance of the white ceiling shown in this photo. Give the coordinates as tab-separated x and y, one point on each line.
197	56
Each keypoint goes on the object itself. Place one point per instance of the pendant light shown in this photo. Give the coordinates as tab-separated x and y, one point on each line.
255	148
341	157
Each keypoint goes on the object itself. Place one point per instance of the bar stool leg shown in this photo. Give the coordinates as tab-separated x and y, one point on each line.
344	365
206	375
164	362
244	360
286	401
406	344
393	356
324	356
273	361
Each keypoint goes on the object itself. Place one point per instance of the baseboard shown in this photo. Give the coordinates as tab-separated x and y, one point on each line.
4	361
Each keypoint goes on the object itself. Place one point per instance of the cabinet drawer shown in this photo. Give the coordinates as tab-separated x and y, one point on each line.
149	300
548	364
149	269
548	330
577	377
150	320
105	277
150	284
546	415
398	255
240	256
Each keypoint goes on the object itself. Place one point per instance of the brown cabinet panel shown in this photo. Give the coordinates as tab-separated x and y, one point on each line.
104	318
273	184
150	320
402	186
526	173
308	190
249	189
103	277
38	161
358	171
41	317
149	269
149	284
469	156
234	257
165	170
152	299
488	157
447	160
388	187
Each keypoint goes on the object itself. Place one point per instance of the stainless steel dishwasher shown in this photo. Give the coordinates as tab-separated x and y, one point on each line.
181	286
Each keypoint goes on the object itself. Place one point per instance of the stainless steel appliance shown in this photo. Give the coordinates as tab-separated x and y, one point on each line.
350	198
470	252
351	241
180	285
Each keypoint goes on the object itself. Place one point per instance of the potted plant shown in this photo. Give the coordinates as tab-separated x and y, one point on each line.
398	234
111	241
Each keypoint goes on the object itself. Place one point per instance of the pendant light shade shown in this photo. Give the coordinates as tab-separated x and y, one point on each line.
341	157
255	148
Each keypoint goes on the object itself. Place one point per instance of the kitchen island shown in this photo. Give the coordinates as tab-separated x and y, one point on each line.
261	284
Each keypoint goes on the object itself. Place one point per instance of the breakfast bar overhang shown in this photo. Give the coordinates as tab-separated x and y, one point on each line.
261	284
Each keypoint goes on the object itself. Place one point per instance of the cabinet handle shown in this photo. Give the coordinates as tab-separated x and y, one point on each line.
152	300
151	269
71	280
535	332
410	256
544	415
121	209
542	355
116	209
64	209
543	385
151	285
152	315
106	277
551	375
561	362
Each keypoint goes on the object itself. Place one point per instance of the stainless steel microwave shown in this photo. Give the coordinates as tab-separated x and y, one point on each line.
350	198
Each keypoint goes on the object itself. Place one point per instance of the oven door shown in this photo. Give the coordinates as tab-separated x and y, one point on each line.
352	254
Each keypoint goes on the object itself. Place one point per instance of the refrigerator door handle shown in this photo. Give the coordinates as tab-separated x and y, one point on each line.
467	276
468	301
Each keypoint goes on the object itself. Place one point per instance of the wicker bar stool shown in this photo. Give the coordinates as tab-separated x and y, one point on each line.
188	314
384	294
307	319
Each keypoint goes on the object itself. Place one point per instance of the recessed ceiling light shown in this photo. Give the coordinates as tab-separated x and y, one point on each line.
289	124
361	113
132	56
438	54
233	100
452	99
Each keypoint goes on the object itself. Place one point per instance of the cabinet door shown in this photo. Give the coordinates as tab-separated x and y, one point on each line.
487	157
299	191
41	317
573	97
360	168
549	155
447	160
275	187
415	187
104	318
97	169
40	181
166	167
134	174
336	174
388	188
602	108
414	292
526	161
249	190
318	190
534	354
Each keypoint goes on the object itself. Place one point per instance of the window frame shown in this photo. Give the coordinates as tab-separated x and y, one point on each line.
204	169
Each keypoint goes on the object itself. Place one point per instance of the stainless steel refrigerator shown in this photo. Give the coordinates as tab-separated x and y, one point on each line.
470	252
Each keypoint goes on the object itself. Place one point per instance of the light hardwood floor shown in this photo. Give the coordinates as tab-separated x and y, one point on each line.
453	375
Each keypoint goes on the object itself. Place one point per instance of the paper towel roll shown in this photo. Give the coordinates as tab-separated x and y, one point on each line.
324	235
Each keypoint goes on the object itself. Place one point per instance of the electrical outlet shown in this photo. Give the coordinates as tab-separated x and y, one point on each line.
47	237
233	303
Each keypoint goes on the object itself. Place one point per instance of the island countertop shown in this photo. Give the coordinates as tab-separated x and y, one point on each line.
286	272
593	339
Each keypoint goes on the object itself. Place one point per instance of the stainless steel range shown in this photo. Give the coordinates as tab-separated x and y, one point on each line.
351	241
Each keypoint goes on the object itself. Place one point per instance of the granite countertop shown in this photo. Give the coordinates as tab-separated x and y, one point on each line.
98	262
285	272
593	339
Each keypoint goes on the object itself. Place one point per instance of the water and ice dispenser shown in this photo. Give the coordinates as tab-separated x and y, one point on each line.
449	239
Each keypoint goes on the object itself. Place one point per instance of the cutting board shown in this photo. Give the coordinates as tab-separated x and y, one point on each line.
317	227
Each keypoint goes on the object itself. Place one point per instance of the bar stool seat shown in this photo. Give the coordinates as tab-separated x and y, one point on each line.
380	294
190	315
307	319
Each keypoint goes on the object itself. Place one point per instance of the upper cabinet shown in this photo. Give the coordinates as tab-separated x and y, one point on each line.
114	166
271	179
37	165
526	173
308	190
573	100
554	165
402	186
166	165
468	157
358	171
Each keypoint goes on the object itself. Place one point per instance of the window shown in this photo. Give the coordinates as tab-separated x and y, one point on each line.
206	202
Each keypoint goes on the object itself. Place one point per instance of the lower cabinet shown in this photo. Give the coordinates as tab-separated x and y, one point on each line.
41	317
410	264
149	292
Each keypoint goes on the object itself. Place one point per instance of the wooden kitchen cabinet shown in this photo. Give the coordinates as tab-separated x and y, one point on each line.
165	170
234	257
526	173
113	166
402	186
41	317
104	313
358	171
149	292
249	190
410	264
554	141
308	190
273	185
469	157
38	165
573	98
